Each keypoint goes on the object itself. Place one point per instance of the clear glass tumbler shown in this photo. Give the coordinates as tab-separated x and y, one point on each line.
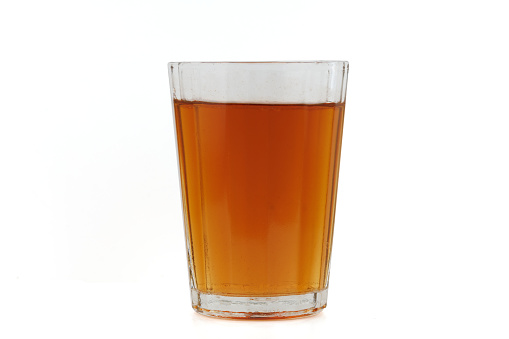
259	145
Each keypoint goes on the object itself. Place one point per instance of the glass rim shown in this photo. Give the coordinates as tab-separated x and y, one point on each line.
261	62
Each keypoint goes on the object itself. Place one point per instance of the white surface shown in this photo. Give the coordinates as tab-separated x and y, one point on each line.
91	236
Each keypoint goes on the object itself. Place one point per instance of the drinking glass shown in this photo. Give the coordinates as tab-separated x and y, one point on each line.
259	145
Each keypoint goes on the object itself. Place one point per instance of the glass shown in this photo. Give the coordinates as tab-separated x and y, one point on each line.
259	145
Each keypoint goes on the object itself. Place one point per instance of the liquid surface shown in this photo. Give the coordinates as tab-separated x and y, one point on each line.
259	193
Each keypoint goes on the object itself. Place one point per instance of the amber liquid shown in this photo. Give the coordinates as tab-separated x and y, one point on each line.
259	188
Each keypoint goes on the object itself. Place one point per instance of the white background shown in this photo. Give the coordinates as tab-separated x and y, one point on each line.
91	235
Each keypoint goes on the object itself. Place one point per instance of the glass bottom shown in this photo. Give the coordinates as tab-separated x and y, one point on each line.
286	306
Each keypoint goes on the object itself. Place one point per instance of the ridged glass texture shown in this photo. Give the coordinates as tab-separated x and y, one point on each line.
259	146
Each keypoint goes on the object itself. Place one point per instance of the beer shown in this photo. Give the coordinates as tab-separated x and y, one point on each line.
259	187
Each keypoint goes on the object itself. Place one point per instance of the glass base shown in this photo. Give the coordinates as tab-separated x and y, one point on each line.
286	306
